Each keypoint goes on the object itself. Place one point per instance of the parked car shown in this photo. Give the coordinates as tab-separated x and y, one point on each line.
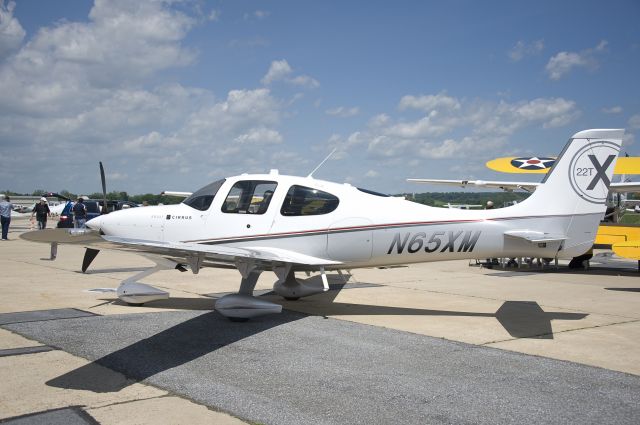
94	208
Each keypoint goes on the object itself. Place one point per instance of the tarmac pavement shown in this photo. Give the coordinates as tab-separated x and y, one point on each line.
429	343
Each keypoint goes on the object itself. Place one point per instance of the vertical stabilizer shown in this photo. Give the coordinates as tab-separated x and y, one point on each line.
576	188
580	178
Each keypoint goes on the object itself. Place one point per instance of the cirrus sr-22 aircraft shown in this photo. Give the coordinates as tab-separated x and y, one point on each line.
276	223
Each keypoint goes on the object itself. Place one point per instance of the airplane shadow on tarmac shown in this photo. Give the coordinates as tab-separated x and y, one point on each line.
167	349
521	319
209	332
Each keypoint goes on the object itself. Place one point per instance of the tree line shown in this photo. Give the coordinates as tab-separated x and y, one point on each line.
150	198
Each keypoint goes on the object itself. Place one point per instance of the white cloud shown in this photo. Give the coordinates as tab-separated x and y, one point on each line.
305	81
612	110
553	112
280	70
69	67
562	63
214	15
261	136
11	32
379	120
371	174
522	49
343	112
429	102
486	127
257	15
634	122
82	92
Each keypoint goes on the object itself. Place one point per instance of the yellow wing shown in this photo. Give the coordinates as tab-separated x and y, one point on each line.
541	165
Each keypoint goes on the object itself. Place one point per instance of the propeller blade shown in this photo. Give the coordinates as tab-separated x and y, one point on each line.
89	255
104	190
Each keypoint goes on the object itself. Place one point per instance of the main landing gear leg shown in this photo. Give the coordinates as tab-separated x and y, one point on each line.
243	306
135	293
291	289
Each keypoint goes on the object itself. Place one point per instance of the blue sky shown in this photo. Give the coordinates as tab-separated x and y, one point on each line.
173	94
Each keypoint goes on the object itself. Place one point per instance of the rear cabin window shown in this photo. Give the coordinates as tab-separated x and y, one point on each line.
302	200
202	198
249	197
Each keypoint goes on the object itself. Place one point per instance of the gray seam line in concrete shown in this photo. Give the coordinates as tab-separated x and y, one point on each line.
561	332
168	394
19	351
90	314
133	400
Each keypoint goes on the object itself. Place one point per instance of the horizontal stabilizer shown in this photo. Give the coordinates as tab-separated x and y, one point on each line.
534	237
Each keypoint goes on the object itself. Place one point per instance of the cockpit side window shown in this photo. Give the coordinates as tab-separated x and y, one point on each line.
249	197
202	198
302	200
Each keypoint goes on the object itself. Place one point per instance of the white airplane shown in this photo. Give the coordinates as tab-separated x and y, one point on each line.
463	206
26	214
284	224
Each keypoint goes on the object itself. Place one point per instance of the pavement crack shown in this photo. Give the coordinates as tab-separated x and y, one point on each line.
560	332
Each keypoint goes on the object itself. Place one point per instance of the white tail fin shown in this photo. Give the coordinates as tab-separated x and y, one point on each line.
577	186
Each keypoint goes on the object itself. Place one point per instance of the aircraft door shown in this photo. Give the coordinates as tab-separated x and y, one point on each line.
349	240
247	209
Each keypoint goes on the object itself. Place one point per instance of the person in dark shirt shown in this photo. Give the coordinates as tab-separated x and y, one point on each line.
79	214
41	211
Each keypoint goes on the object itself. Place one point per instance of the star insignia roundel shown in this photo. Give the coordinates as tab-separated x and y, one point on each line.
533	163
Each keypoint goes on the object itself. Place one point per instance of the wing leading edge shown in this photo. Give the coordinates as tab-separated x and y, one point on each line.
626	187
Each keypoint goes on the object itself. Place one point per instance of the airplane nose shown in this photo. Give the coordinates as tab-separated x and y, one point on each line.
95	223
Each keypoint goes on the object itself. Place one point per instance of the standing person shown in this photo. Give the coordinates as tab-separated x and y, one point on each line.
79	214
41	211
5	216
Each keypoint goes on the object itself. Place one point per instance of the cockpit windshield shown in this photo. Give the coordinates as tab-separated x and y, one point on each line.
201	199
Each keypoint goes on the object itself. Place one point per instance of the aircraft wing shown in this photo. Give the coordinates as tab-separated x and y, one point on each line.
186	250
626	187
630	187
176	194
507	186
220	252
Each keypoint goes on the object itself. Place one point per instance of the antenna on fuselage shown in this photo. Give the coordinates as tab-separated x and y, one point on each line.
323	161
